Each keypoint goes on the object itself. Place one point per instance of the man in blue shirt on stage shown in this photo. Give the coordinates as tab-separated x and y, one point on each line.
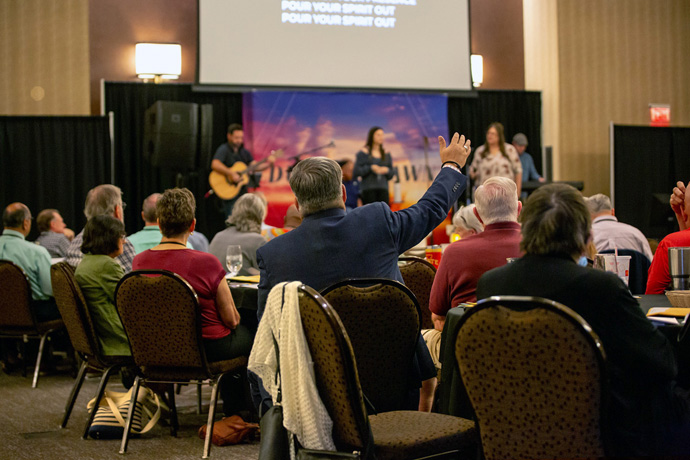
529	171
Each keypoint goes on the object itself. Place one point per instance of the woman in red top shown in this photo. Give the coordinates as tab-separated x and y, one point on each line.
223	335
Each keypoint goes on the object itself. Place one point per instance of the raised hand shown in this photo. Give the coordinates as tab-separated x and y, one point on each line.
678	197
457	150
677	202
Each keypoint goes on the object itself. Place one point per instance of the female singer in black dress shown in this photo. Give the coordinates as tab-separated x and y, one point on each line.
375	166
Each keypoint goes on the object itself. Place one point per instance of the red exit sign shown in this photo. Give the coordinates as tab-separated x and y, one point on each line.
659	114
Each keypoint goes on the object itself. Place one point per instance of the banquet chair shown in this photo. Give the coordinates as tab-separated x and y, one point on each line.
535	374
396	435
161	315
17	319
418	275
381	317
639	266
82	334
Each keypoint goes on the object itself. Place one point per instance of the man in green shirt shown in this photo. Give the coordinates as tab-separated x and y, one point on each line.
32	258
150	235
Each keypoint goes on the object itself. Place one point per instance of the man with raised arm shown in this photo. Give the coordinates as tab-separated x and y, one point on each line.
331	245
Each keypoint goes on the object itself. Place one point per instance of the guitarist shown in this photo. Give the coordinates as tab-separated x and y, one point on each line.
227	155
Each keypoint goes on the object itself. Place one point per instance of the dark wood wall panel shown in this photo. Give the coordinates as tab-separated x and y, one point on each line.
497	35
116	26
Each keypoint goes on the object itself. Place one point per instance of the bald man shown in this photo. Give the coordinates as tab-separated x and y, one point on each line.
32	258
659	277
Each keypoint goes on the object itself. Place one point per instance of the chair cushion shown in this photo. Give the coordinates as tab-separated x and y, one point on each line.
228	365
410	434
30	330
48	325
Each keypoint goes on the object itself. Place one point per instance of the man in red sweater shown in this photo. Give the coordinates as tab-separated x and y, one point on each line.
659	278
465	261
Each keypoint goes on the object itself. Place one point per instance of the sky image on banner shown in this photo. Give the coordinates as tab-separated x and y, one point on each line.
335	125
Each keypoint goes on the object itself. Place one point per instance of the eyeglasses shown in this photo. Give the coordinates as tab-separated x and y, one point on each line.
124	205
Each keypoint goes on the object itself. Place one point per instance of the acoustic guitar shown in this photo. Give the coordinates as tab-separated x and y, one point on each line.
225	188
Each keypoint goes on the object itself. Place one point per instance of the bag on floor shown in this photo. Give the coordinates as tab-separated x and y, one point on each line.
111	415
230	430
275	439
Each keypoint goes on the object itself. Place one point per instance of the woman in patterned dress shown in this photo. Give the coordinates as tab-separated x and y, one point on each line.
496	158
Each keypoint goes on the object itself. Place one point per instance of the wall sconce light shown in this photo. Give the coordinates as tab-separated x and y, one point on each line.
158	61
477	65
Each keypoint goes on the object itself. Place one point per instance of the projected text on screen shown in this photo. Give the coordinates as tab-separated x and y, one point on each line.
352	13
382	44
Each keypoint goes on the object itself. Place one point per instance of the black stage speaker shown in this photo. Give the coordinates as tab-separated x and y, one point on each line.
205	137
175	133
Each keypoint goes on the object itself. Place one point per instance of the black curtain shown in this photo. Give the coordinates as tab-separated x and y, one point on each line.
518	111
648	162
136	176
52	162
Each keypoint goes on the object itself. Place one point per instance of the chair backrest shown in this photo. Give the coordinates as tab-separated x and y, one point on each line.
639	266
335	371
535	373
418	275
161	316
381	318
15	310
74	310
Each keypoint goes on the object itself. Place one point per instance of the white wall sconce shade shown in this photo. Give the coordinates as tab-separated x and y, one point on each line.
477	64
158	60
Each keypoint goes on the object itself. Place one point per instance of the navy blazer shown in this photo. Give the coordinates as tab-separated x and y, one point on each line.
330	245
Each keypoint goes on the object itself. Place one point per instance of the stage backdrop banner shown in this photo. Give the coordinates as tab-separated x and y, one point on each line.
335	125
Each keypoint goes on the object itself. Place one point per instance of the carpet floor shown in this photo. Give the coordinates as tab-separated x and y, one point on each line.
30	419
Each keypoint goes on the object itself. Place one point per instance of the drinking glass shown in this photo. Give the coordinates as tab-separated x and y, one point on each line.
233	259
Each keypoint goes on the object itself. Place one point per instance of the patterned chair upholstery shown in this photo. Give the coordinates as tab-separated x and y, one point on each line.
418	275
396	435
160	313
17	319
381	318
535	374
82	334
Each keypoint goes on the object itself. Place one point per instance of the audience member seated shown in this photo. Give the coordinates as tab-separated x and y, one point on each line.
198	241
608	233
659	277
244	230
102	200
55	236
97	276
351	185
291	221
332	244
465	261
647	414
150	235
465	223
32	258
223	335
